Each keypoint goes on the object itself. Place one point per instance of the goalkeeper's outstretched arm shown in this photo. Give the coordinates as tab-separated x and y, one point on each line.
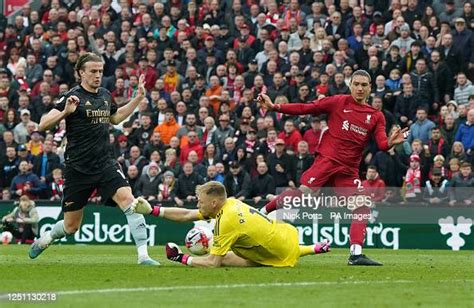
141	206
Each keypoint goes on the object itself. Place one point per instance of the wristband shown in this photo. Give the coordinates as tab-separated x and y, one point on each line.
158	211
187	259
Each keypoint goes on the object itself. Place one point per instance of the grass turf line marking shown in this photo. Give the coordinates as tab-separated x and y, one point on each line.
244	285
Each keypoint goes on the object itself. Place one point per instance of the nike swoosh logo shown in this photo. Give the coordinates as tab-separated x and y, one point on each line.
346	111
68	203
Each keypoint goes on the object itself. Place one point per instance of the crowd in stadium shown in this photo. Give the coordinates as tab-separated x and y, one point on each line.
205	63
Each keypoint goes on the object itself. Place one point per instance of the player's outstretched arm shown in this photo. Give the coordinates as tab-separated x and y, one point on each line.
126	110
315	107
52	118
141	206
173	253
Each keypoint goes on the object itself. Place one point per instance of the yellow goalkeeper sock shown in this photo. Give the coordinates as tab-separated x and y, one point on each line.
306	250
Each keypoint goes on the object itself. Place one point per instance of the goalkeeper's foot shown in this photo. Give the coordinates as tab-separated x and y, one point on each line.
149	261
362	260
322	247
141	206
36	249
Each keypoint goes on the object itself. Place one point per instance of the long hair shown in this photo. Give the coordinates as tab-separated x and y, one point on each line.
87	57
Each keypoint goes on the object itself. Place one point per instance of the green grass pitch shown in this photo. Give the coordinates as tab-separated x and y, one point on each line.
107	276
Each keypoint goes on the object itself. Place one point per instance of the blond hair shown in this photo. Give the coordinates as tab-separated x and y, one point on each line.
212	188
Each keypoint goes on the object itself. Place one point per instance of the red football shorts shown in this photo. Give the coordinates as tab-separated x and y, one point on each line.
327	173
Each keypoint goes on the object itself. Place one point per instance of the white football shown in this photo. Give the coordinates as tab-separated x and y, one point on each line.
199	240
6	237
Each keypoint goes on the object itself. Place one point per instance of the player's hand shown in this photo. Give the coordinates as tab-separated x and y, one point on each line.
397	136
265	101
175	254
71	104
141	90
141	206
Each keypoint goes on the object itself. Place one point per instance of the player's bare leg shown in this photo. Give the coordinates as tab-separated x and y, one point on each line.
125	200
318	248
71	223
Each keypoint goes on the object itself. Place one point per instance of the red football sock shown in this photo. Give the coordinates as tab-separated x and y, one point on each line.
278	201
357	231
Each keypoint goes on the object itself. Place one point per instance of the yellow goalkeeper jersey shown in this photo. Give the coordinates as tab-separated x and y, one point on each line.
251	235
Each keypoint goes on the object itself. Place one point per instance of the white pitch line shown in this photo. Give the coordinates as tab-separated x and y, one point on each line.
245	285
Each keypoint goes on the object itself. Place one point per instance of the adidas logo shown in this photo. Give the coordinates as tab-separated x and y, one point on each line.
88	103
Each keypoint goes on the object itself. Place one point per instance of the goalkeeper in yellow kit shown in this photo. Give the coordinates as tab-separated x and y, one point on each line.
242	235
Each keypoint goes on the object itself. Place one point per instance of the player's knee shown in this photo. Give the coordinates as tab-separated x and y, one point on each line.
124	199
71	227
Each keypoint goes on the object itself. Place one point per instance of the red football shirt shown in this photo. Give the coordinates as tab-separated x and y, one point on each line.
351	125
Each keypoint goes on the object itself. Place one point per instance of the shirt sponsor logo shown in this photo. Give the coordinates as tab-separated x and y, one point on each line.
354	128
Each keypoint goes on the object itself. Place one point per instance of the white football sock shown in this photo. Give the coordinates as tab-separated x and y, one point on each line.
356	250
137	225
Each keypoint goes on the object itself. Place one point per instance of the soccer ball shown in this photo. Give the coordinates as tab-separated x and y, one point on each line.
199	241
6	237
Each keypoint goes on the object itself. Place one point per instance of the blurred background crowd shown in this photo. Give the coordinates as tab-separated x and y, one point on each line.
205	62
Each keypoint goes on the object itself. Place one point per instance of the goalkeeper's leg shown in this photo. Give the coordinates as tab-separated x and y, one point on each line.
315	249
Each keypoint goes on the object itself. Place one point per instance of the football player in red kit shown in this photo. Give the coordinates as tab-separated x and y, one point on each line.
352	122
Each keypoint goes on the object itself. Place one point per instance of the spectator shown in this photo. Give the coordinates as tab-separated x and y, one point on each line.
213	175
57	185
281	166
448	130
223	131
166	189
463	90
421	129
413	179
187	182
373	185
436	144
45	163
141	134
313	135
237	182
193	145
9	167
132	177
436	188
171	162
168	128
465	134
263	185
454	168
135	159
339	86
424	85
291	136
457	151
155	144
229	153
189	126
147	185
302	162
26	183
462	184
21	129
22	222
